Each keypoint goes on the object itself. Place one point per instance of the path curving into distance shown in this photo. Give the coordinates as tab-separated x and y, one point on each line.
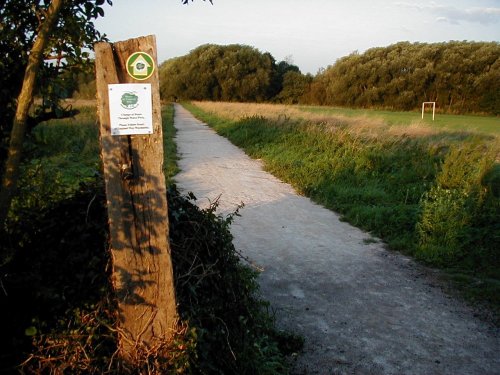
361	308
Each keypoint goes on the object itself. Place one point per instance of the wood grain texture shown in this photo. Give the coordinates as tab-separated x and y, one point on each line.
137	208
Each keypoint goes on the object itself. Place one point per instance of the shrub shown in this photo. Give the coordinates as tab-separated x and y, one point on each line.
458	201
58	314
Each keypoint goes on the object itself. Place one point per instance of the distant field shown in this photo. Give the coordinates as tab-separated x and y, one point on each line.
482	124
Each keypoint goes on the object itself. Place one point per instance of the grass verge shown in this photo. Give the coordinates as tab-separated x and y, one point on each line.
169	147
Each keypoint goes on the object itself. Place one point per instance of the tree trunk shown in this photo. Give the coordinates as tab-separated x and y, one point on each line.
11	174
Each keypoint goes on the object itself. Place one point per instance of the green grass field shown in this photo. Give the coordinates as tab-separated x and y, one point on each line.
481	124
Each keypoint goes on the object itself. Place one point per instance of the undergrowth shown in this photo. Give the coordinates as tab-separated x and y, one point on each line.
435	196
58	313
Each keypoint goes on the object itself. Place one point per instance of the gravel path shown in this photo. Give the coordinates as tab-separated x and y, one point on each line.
361	308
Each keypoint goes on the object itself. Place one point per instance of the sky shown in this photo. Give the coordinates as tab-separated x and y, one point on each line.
311	34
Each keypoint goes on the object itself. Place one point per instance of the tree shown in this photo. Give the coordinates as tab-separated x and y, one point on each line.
57	30
295	85
213	72
279	71
244	74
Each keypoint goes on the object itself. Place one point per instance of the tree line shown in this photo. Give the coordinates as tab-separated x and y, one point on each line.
462	77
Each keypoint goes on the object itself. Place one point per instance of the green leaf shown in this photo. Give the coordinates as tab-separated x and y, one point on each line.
30	331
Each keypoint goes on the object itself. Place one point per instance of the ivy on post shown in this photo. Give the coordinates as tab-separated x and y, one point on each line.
132	153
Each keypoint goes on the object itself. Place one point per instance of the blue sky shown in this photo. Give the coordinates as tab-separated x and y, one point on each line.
311	33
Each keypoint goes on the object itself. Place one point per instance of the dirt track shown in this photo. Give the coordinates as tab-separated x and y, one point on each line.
361	308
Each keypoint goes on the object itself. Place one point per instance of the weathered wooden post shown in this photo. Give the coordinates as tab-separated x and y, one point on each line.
132	154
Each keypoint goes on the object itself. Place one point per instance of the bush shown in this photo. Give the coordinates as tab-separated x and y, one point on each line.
58	313
453	207
218	295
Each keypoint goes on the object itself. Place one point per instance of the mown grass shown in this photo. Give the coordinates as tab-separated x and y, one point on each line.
432	194
481	124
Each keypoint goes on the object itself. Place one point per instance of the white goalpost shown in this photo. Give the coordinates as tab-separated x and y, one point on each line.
433	109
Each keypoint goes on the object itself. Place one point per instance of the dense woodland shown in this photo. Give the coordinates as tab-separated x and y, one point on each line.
459	76
462	77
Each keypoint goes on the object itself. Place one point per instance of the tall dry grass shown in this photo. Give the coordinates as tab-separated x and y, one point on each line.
373	128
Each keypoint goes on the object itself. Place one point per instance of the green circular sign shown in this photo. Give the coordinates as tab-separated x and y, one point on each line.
129	100
140	66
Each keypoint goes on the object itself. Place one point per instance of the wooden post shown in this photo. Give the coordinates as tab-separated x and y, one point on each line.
137	209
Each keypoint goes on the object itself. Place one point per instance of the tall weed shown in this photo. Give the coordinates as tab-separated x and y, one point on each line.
452	208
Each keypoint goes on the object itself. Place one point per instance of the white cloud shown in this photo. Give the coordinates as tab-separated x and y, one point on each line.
456	15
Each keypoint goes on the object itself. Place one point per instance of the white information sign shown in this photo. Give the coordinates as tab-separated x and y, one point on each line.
130	108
